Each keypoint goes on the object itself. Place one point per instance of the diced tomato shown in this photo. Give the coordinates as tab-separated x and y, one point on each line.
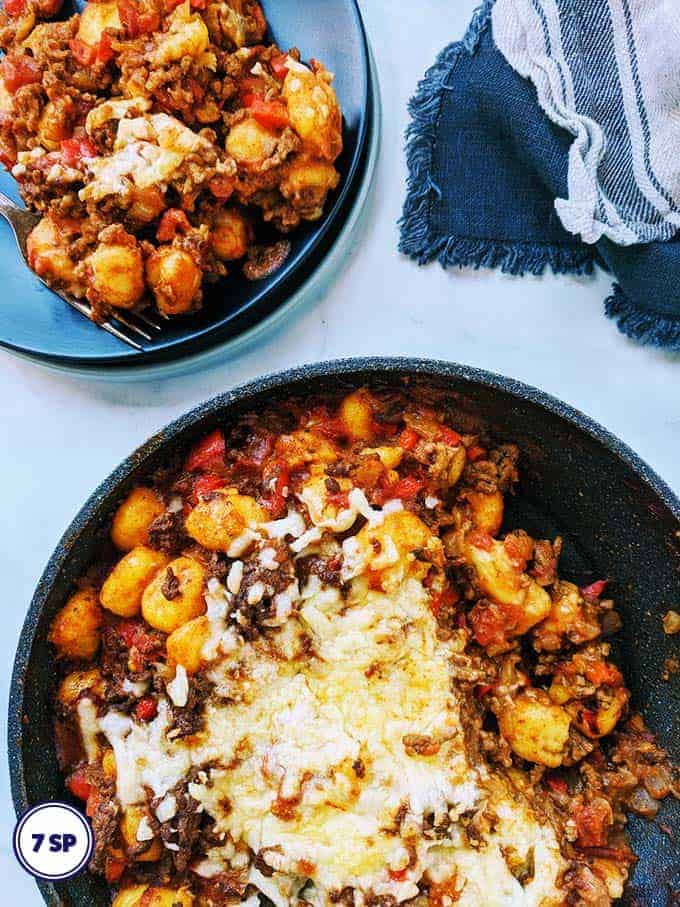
277	502
76	150
92	804
398	875
127	630
270	114
14	7
589	719
89	54
449	436
279	66
320	420
443	599
174	221
592	823
199	4
114	867
595	590
475	453
205	484
518	550
85	54
405	489
146	709
556	783
18	71
250	88
489	624
408	439
134	21
604	673
481	540
208	453
78	786
135	634
105	49
221	187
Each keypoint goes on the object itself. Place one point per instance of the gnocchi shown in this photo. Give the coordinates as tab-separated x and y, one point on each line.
175	595
76	630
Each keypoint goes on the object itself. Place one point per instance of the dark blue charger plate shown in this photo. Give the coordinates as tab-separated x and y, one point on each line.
36	323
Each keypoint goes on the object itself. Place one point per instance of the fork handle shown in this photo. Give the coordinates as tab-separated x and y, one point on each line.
7	206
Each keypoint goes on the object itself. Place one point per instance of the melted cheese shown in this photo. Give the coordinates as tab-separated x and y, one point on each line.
148	151
331	743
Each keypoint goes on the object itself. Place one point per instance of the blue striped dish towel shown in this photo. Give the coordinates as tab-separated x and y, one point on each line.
550	137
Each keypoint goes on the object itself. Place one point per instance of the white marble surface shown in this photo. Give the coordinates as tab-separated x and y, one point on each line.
62	436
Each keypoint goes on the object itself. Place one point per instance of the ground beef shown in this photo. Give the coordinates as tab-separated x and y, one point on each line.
166	533
104	814
189	719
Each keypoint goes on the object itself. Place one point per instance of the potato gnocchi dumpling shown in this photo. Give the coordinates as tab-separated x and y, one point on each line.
175	595
321	622
76	629
132	519
162	144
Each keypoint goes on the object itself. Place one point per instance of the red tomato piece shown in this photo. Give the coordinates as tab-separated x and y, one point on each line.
78	786
205	484
18	71
14	8
135	21
556	783
443	599
489	624
475	453
604	673
406	489
174	221
277	501
85	54
146	709
595	590
207	454
221	187
479	539
409	439
270	114
76	150
592	823
448	436
114	868
279	66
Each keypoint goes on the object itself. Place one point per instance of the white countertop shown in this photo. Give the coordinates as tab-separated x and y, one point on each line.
63	436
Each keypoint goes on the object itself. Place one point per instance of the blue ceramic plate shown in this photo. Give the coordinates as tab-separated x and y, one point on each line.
35	322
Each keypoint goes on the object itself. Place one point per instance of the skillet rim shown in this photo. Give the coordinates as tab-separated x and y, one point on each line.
221	404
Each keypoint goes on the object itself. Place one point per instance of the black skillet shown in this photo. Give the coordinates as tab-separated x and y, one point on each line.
617	517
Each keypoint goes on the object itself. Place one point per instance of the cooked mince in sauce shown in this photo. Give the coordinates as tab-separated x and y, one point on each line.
314	666
160	142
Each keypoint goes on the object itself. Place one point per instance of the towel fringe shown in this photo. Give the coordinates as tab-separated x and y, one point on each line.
512	258
646	327
416	238
424	109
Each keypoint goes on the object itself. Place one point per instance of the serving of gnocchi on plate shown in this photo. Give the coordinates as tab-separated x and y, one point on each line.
163	144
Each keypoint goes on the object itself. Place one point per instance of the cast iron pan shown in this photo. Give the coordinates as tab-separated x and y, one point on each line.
617	517
35	322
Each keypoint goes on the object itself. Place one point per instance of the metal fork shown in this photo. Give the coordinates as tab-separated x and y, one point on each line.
121	326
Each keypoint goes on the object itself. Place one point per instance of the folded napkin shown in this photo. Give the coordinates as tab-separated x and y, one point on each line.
550	137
